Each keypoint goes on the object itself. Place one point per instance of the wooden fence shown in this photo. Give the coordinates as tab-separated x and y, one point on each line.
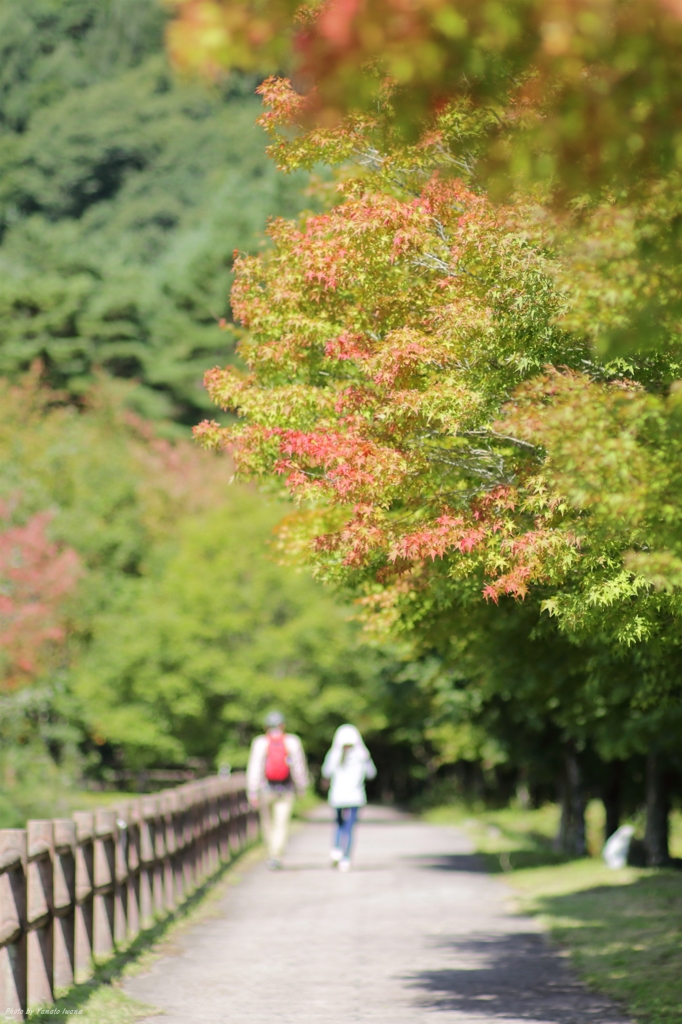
71	890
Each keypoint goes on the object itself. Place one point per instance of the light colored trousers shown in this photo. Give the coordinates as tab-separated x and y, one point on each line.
275	815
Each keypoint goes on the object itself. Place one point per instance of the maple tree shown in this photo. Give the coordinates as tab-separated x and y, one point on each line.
577	105
397	347
467	396
582	97
383	336
586	92
35	576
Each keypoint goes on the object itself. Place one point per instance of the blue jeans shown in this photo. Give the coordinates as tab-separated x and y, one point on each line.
345	819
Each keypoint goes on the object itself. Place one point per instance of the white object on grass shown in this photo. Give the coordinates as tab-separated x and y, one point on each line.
617	846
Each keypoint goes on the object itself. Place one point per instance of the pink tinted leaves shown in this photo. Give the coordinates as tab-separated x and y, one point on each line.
35	576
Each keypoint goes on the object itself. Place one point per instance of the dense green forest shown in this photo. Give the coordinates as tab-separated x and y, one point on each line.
123	195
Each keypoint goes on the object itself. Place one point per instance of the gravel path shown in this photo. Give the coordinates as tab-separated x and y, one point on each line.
415	933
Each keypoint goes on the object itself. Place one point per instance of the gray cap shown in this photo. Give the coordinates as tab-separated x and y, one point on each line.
274	720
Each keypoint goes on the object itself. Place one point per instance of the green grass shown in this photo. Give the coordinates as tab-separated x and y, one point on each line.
18	804
101	999
623	928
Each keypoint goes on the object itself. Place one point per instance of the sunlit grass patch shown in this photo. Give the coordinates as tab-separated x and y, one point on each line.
107	1004
509	839
622	928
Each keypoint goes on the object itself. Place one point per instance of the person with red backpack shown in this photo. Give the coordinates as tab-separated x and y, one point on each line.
277	770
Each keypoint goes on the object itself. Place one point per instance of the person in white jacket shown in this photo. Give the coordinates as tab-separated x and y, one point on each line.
347	765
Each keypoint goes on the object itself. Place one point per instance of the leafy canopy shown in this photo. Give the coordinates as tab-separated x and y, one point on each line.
397	348
123	194
584	93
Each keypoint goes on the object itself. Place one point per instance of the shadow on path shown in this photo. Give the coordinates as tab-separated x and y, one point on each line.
491	863
480	863
515	976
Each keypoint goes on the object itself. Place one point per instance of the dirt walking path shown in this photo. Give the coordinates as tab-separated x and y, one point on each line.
415	933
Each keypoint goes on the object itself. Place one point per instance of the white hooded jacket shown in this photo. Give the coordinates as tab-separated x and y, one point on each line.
348	773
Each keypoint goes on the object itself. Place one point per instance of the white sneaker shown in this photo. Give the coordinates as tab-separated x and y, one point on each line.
335	856
344	864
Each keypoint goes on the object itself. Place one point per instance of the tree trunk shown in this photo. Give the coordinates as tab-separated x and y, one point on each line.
611	797
657	810
571	838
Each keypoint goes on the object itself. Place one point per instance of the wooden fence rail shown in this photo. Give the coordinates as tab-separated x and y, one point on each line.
71	890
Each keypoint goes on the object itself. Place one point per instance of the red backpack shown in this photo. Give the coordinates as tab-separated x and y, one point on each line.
277	759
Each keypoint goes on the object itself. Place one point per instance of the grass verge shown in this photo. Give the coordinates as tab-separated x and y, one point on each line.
19	804
623	928
101	999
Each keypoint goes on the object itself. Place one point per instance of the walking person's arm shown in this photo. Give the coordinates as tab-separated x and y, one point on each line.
256	769
298	764
330	763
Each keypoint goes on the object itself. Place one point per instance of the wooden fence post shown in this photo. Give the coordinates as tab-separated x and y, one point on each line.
64	889
249	821
215	804
210	828
244	820
85	826
205	819
121	874
39	913
179	855
229	804
190	868
224	819
196	819
147	809
134	869
200	828
254	819
169	803
13	959
188	849
104	882
159	855
203	825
